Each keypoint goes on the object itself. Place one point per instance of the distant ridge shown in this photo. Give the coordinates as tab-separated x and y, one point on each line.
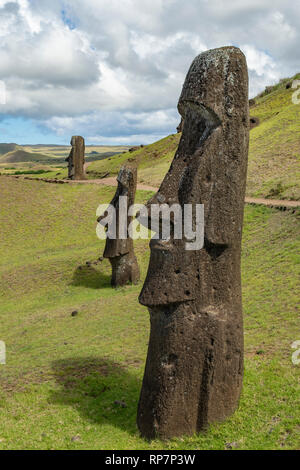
20	155
5	148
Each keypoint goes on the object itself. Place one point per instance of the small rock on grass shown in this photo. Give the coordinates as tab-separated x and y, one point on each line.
74	313
120	403
231	445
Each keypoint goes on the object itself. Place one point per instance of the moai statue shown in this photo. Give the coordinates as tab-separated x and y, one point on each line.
76	159
120	251
194	368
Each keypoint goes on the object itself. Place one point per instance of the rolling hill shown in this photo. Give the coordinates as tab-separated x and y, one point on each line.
52	154
274	154
19	155
5	148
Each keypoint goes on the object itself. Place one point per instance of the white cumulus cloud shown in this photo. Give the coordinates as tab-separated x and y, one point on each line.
113	70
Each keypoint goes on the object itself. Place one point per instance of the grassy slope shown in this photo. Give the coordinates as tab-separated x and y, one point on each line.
64	373
274	154
153	161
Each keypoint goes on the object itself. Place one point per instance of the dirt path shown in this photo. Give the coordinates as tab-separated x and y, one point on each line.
272	202
111	181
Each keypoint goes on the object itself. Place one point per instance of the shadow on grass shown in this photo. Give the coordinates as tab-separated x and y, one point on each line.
87	276
102	391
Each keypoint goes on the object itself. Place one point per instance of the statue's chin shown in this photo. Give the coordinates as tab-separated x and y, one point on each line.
169	278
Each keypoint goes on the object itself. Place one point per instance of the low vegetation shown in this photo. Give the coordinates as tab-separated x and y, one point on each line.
30	172
76	347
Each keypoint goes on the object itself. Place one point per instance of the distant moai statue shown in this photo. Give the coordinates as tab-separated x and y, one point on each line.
120	251
194	368
76	159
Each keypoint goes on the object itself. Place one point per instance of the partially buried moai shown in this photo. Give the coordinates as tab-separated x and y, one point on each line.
76	159
194	368
120	250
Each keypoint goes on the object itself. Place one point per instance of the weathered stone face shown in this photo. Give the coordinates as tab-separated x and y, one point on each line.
76	159
120	251
194	367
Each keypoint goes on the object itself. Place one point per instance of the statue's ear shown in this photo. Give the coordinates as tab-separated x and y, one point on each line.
2	353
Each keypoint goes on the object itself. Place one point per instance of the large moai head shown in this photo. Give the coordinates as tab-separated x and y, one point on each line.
194	296
76	159
209	168
119	250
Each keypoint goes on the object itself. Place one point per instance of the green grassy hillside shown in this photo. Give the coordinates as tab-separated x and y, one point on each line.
65	374
153	161
274	153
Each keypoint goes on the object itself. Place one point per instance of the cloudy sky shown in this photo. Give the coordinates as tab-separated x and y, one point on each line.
112	70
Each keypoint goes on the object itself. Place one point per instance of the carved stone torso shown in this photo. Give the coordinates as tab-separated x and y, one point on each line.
194	367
